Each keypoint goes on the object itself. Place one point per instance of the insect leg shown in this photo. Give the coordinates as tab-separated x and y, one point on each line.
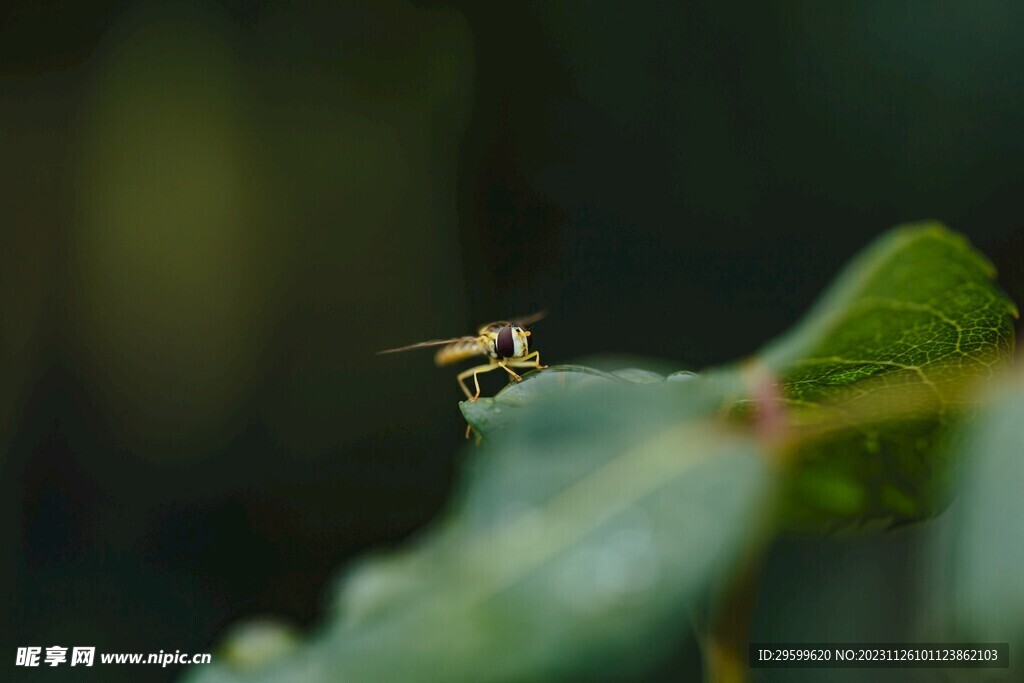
524	362
506	368
536	359
474	372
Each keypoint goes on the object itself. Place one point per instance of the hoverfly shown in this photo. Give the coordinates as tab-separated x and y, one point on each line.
505	344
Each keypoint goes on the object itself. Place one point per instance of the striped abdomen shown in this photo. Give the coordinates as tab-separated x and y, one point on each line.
460	350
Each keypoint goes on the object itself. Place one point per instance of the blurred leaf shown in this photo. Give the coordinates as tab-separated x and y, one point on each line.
985	543
581	533
877	370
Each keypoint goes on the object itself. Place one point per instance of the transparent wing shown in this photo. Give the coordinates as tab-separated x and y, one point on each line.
421	345
528	320
521	322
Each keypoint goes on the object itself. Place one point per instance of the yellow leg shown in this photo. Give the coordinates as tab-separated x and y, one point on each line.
474	372
524	362
504	366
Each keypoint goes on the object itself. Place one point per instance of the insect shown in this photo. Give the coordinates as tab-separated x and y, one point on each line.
505	344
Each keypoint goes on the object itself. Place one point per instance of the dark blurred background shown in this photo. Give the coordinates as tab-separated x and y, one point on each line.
214	213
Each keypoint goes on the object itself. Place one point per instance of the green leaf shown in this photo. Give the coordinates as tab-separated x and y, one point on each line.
582	531
879	368
924	271
486	415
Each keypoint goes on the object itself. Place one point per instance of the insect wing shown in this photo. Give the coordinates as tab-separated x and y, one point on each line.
421	345
528	320
521	322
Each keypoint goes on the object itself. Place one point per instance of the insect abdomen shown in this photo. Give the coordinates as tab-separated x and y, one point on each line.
457	351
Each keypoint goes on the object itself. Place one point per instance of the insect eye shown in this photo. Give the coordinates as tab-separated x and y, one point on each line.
505	344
